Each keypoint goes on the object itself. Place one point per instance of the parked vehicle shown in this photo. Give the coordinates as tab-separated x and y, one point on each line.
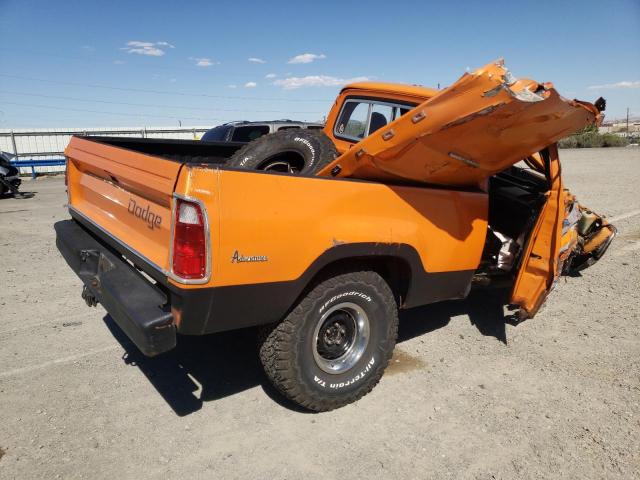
245	132
9	175
416	198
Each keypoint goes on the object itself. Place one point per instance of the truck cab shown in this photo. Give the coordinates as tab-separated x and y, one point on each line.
365	107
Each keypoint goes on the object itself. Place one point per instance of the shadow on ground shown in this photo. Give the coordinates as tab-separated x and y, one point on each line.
19	195
201	369
485	310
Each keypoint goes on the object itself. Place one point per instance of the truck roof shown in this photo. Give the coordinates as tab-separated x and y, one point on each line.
239	123
397	88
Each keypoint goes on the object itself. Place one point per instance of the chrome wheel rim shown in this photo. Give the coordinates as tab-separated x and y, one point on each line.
280	166
340	338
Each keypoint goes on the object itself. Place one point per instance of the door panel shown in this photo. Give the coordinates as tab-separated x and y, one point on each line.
540	262
479	126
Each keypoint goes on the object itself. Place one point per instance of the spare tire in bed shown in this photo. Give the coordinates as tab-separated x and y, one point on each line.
289	151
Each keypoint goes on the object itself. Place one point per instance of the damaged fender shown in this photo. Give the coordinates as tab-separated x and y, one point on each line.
593	236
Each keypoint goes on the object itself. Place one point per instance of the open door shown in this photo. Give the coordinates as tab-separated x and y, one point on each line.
477	127
540	264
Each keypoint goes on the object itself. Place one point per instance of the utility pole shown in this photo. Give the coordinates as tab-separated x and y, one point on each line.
627	122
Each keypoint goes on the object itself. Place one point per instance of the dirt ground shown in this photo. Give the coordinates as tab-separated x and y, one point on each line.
466	396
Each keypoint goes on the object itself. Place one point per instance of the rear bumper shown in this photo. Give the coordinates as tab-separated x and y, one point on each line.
139	308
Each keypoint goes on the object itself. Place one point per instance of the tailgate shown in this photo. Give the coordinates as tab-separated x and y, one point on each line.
126	194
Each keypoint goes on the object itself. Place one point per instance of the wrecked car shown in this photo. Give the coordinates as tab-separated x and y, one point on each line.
409	196
9	175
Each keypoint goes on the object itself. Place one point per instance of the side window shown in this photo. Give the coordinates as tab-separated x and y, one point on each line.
289	127
217	134
248	133
353	120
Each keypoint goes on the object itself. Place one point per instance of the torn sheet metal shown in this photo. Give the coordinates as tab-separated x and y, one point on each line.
479	126
594	236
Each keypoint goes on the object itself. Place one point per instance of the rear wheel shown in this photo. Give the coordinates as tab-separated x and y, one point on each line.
289	151
334	346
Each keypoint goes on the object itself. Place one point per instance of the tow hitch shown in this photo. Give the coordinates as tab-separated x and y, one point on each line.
88	297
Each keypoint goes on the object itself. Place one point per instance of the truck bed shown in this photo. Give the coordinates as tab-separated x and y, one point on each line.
182	151
294	226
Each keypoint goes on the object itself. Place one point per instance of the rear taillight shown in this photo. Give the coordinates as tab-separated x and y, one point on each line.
189	241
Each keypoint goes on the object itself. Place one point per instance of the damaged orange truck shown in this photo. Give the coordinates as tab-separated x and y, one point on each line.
410	196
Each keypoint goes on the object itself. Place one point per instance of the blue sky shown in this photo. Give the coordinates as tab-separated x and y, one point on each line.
85	64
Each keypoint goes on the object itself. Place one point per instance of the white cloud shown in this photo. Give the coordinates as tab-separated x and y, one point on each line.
623	84
256	60
316	81
232	86
250	85
154	49
306	58
270	75
118	62
203	62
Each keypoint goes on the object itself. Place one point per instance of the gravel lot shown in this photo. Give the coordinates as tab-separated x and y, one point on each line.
465	397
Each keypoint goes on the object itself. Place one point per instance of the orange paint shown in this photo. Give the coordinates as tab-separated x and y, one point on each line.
458	136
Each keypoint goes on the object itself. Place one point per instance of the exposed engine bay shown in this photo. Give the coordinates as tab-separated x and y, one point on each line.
586	236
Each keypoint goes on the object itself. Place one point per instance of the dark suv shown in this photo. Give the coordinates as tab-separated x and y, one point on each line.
244	132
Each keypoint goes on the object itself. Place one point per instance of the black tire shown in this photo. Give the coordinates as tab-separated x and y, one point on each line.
287	348
289	151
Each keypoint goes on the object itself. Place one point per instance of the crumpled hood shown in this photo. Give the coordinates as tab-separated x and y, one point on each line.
485	122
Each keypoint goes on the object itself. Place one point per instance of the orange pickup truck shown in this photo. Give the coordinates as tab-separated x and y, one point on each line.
409	196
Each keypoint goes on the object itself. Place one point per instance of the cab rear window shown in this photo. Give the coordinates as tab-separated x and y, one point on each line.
360	118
